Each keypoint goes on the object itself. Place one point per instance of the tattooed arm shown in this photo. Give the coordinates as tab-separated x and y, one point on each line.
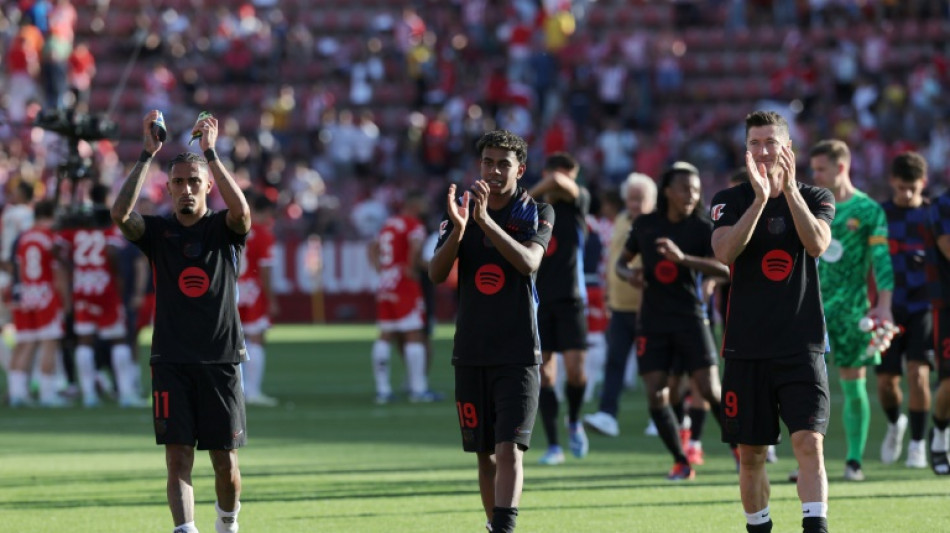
130	222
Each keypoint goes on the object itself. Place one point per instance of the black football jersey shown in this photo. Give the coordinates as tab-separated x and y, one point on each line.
774	301
195	271
562	270
672	291
496	322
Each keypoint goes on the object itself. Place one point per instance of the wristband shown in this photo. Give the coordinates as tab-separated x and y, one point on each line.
145	157
211	155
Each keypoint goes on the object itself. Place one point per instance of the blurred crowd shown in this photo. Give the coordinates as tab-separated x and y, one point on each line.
334	110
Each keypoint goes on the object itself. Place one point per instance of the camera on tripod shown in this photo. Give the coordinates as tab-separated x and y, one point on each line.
75	127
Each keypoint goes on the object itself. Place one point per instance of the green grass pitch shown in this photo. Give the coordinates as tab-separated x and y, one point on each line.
328	459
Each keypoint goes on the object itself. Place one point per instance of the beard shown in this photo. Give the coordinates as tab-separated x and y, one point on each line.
187	210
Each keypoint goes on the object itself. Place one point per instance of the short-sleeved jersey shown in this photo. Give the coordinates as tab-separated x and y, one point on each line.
858	240
672	291
911	242
774	298
395	241
88	252
561	274
195	269
35	261
258	254
496	323
940	220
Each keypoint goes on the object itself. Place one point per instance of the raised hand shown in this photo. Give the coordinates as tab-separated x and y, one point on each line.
758	177
458	214
786	161
150	142
480	192
209	132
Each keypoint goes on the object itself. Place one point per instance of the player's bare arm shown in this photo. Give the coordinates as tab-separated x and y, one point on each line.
707	265
625	271
815	234
239	213
525	257
128	221
444	257
729	241
557	183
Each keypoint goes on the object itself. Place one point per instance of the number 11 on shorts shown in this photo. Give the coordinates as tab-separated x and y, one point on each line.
160	401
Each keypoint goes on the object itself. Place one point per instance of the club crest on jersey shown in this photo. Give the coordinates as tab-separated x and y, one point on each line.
852	224
716	212
776	225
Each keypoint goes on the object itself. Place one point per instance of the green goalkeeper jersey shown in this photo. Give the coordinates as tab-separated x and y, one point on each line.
858	240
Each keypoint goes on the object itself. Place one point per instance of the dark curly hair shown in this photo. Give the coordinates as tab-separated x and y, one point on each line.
505	140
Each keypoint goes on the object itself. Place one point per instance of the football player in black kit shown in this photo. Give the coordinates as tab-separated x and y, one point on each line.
771	231
674	242
197	344
499	235
562	319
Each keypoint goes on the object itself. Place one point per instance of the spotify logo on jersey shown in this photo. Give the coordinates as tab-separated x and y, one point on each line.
489	279
666	271
193	282
777	265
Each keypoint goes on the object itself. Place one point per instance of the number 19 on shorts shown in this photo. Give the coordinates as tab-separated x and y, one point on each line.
468	416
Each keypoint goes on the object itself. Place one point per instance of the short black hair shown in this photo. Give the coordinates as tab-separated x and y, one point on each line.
765	118
909	167
187	158
99	194
560	161
260	202
505	140
44	209
27	189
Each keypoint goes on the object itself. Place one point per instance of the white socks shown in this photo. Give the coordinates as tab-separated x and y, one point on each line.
416	368
594	362
18	386
86	372
381	367
814	509
254	370
187	527
758	517
122	367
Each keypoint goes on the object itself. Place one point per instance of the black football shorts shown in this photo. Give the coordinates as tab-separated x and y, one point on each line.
562	325
915	343
756	393
199	404
942	341
683	351
496	404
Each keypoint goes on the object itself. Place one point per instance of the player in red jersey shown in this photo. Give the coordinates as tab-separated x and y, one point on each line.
97	305
396	254
256	301
38	310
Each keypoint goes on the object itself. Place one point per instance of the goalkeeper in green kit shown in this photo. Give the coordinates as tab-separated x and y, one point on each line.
858	243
